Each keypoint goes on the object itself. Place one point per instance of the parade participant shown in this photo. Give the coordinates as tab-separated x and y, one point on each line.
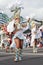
33	28
18	37
33	38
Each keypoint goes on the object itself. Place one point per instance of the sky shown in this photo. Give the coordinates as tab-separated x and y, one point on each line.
32	8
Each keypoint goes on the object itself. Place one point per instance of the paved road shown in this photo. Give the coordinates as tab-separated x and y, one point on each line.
27	60
28	50
25	51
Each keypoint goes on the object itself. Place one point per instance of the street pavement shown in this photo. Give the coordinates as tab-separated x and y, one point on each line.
29	58
26	51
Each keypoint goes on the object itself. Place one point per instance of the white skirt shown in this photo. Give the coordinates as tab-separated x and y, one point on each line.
20	35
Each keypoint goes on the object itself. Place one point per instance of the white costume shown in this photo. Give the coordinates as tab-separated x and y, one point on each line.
19	34
34	32
34	36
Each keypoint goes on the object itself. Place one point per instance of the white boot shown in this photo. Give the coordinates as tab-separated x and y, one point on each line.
16	55
20	54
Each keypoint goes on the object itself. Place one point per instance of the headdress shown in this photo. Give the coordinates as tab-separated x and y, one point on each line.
16	8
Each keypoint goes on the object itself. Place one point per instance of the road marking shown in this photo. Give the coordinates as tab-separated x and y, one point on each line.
33	54
3	54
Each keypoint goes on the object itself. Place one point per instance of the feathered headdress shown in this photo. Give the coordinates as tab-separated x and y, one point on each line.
16	8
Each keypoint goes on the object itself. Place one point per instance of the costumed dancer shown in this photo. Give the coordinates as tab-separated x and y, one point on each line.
33	28
33	36
18	34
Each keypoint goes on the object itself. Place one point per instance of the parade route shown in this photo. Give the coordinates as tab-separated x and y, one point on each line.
28	59
26	51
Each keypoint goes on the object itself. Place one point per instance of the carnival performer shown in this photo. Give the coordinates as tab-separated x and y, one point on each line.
15	27
33	28
34	36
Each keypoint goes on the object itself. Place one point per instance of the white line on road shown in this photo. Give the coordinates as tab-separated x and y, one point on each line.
22	53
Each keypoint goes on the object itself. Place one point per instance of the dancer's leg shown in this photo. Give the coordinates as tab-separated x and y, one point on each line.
18	51
17	42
